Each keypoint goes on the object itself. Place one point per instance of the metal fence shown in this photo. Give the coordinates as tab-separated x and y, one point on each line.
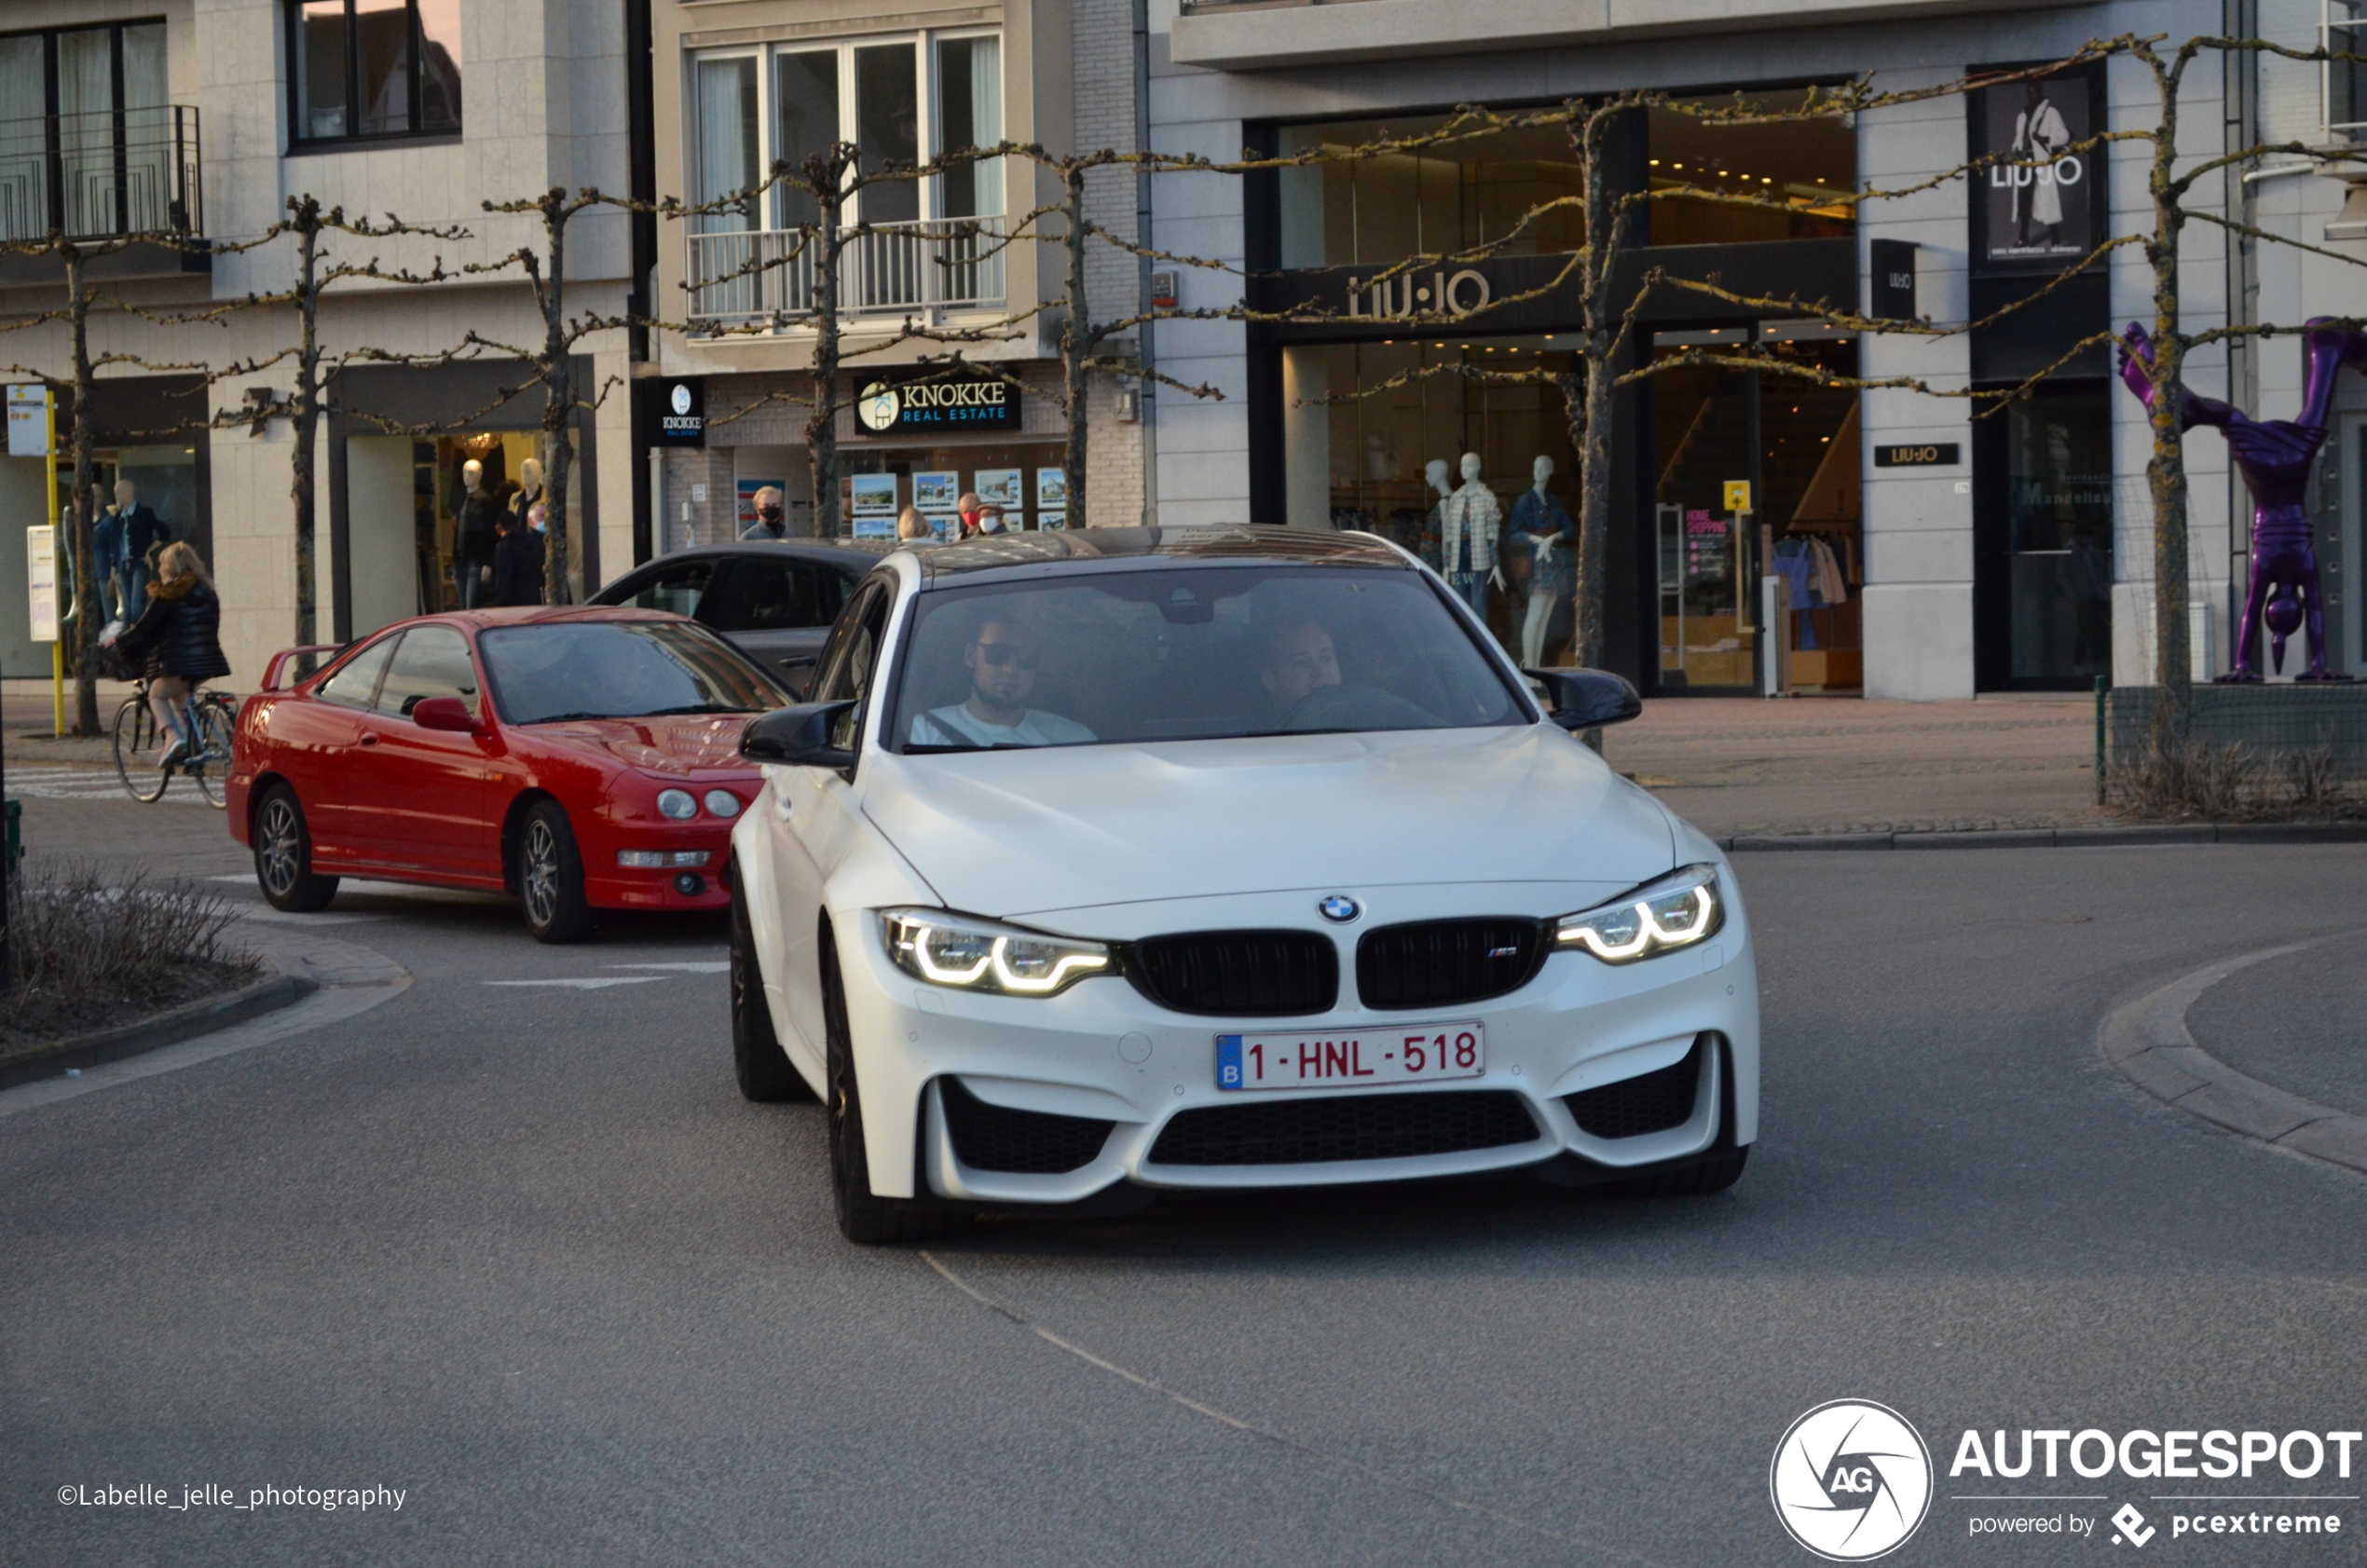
2270	721
106	172
936	264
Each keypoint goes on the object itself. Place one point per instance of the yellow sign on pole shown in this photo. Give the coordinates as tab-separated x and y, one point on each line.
1738	495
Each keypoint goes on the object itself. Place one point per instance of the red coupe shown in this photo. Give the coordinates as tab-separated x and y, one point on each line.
578	757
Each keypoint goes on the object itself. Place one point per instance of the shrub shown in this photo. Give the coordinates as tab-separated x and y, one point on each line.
83	954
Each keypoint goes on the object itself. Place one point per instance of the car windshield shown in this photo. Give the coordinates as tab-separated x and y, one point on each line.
1190	653
619	669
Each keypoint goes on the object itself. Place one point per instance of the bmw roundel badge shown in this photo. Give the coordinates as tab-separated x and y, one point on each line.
1339	908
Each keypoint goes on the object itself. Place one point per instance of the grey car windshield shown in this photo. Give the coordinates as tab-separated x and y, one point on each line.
619	669
1190	653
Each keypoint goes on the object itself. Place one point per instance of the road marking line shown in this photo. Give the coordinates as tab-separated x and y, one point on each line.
1394	1481
585	985
709	966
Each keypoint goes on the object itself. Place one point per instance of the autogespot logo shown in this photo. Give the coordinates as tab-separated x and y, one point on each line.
1851	1480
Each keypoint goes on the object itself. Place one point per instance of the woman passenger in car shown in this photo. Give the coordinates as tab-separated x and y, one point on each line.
1002	660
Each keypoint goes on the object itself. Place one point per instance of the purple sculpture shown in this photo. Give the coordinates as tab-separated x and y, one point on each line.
2274	458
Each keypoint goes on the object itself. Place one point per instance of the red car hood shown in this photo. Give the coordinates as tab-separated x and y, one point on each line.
689	743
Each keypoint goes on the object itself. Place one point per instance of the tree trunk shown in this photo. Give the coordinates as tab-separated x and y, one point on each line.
822	425
1586	388
303	489
1076	348
85	638
558	404
2165	472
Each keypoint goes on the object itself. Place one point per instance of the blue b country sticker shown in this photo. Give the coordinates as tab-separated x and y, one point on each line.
1228	1061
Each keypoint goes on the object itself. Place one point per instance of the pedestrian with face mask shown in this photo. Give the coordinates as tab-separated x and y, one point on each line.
771	521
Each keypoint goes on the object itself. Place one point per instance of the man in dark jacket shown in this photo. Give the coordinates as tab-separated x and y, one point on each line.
517	560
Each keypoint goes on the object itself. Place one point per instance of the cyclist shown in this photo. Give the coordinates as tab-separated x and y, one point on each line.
179	637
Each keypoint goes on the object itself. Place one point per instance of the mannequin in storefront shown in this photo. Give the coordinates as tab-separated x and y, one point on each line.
1469	522
472	552
529	488
1541	525
142	530
1434	475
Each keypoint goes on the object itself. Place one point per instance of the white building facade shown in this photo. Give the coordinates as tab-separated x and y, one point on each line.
1940	554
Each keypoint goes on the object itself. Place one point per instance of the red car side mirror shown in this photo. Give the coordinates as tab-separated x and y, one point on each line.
444	713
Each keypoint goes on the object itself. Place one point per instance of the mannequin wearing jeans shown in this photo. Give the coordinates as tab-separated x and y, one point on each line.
1470	522
1541	522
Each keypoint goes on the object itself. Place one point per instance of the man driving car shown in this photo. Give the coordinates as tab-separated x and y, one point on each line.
1002	660
1300	658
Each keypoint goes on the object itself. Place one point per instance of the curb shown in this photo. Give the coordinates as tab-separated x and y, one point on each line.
168	1027
2057	837
2147	1041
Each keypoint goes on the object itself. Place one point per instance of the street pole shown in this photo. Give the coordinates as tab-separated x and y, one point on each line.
57	644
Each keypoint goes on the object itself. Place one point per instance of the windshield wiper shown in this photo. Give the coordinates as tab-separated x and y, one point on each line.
562	719
699	708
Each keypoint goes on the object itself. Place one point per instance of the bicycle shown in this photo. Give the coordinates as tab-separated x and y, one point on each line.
140	744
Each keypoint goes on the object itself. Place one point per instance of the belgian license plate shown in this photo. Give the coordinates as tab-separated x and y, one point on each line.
1415	1054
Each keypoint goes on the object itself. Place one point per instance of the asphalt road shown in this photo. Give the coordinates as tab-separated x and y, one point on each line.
520	1251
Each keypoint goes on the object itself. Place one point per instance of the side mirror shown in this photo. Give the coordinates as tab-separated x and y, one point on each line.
802	736
1587	699
448	714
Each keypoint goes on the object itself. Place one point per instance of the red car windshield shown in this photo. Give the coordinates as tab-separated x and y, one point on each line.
620	668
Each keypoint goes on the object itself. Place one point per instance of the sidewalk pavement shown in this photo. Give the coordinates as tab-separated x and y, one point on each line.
1731	766
1754	766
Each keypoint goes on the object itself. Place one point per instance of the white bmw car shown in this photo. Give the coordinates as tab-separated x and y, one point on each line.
1127	860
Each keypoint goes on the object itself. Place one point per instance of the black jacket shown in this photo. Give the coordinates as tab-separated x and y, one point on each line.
142	528
517	568
476	529
180	633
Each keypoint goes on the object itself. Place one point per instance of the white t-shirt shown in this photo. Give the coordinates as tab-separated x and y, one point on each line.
957	726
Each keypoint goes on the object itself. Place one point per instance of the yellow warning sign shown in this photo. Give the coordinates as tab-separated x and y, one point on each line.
1738	495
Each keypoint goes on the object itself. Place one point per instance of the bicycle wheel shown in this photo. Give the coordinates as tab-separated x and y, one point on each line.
139	753
209	762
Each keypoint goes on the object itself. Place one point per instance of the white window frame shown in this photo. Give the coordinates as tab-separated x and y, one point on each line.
926	86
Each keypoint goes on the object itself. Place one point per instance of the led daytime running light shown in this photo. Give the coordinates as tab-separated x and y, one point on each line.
908	932
1649	935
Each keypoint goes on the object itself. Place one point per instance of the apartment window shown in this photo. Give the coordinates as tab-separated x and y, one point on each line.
88	144
900	102
374	69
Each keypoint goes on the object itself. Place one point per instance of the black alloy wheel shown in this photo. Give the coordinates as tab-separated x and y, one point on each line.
283	855
765	1069
863	1218
550	877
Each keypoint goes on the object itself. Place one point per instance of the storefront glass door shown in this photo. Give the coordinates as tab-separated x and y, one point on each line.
1704	436
2045	515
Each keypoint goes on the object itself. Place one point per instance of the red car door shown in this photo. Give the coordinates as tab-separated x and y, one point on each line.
312	743
426	790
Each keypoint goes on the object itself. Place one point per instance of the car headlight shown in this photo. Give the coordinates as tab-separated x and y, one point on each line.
678	804
1677	911
722	803
982	956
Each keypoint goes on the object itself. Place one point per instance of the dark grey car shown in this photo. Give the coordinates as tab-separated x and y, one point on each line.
774	600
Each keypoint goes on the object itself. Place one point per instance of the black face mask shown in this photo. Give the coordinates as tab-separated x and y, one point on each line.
771	514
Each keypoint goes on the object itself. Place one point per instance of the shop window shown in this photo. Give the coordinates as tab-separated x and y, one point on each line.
1795	444
369	70
1810	166
1365	421
1361	211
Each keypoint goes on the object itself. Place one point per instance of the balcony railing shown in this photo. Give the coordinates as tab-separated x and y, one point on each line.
123	171
740	276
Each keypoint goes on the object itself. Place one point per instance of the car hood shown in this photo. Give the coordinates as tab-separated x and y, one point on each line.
1009	833
682	745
